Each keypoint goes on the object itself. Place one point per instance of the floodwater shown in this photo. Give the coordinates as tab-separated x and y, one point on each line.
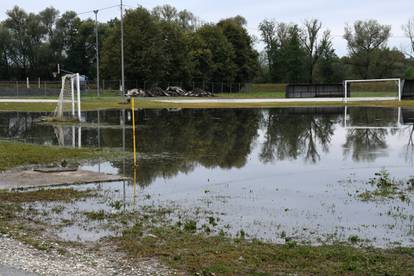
295	171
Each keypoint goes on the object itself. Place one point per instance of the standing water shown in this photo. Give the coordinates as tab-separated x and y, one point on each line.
271	173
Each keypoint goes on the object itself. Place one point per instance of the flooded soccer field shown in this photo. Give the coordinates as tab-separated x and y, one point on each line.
313	175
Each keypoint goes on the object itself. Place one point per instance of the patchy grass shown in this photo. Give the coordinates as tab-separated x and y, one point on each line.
185	250
19	222
18	154
65	195
386	187
95	215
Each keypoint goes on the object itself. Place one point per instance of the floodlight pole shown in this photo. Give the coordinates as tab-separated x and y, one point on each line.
122	54
97	52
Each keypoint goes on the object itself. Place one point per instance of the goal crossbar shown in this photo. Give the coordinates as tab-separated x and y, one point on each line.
397	80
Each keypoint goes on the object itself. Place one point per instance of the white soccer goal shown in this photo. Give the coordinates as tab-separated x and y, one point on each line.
373	95
68	99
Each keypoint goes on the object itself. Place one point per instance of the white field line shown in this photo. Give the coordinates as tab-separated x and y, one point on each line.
291	100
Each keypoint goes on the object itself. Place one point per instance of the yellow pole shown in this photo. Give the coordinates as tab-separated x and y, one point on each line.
135	183
133	130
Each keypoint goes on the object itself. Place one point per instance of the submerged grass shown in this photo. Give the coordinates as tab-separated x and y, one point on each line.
18	221
17	154
387	188
198	253
65	195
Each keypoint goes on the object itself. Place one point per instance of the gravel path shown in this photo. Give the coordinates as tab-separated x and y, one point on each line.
21	259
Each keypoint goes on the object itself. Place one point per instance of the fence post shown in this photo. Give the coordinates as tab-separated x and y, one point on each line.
222	87
103	86
239	87
38	83
44	88
17	88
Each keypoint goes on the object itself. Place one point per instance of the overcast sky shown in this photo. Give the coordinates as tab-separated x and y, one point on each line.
333	13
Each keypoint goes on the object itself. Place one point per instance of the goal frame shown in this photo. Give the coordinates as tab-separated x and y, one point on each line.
398	124
398	80
74	79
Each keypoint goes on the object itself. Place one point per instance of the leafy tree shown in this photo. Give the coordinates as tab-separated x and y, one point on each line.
245	57
177	65
4	52
268	32
317	47
212	54
364	40
285	52
144	55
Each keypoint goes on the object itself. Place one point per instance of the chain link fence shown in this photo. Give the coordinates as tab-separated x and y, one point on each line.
112	88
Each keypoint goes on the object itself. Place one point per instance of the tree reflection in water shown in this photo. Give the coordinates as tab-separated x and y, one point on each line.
295	132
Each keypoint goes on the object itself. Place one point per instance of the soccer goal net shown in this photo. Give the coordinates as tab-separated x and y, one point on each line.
386	89
69	106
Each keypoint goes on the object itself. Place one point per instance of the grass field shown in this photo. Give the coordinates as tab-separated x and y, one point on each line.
109	101
17	154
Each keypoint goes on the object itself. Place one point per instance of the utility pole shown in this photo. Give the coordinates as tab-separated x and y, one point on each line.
97	52
122	54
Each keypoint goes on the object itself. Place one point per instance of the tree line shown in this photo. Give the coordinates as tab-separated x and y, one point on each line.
166	45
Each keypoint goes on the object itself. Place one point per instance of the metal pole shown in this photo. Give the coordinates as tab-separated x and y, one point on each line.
399	89
72	94
133	130
79	101
122	54
346	91
97	52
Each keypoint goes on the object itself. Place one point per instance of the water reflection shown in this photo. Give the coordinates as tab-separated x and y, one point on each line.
178	141
299	132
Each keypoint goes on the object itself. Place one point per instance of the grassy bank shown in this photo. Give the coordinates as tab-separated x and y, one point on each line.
198	253
18	154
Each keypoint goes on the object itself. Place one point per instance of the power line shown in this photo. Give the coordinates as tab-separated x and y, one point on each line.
101	9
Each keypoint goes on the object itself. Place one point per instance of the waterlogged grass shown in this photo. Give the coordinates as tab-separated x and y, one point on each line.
18	154
150	233
44	195
183	249
386	187
18	221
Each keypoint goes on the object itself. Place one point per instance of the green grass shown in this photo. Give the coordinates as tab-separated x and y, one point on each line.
152	103
18	154
198	253
251	95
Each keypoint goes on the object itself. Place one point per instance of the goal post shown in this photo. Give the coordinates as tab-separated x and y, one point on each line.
69	102
397	81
